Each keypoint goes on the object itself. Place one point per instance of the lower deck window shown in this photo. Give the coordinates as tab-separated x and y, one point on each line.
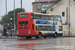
44	28
60	28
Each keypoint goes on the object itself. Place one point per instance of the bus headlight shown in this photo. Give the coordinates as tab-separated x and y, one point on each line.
29	31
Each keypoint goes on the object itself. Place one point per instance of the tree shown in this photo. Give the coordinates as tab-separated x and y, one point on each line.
11	15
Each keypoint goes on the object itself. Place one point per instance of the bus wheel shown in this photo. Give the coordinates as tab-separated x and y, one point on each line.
40	35
28	37
45	37
37	37
55	35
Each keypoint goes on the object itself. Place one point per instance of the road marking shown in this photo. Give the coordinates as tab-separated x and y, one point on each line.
57	47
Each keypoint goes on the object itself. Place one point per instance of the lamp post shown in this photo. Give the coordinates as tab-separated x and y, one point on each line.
69	18
6	12
21	5
14	18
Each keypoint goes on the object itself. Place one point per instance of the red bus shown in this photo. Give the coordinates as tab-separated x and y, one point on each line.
31	24
25	25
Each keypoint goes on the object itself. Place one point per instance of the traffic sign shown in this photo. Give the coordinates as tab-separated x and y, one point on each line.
69	23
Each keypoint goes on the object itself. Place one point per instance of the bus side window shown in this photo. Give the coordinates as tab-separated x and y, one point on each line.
51	18
55	18
32	16
35	16
47	18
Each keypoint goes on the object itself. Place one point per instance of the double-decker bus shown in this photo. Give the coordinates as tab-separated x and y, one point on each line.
30	24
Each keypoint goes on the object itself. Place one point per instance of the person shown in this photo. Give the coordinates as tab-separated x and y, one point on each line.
4	32
7	34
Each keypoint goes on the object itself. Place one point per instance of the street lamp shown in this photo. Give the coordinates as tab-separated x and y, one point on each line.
14	18
69	18
21	5
6	12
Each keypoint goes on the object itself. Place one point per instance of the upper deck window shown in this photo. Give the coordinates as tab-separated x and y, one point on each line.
45	17
44	28
23	15
58	18
32	16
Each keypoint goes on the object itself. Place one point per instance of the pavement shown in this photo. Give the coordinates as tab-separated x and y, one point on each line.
59	43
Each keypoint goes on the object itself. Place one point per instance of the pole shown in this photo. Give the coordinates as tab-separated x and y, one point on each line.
49	3
11	26
6	12
14	18
21	5
69	17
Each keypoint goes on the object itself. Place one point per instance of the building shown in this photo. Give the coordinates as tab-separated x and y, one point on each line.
41	6
62	8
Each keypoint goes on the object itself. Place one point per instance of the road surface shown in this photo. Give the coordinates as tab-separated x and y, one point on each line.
60	43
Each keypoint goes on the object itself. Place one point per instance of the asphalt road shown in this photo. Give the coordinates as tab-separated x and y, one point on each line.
60	43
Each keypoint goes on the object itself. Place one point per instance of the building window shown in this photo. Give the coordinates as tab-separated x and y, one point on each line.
43	7
63	13
52	4
47	6
51	9
39	6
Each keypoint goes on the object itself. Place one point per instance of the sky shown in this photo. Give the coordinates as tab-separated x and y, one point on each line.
27	4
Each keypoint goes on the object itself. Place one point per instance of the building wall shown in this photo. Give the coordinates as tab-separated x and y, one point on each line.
35	5
63	6
45	0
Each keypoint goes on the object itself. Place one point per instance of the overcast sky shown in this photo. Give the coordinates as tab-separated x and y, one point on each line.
27	4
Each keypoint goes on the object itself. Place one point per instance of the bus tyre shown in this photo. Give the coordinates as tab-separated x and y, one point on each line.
40	35
37	37
28	37
55	35
45	37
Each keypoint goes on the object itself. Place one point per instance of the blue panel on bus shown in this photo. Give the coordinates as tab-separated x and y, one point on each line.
41	22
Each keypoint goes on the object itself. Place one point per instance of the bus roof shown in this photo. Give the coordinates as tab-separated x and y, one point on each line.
24	12
44	14
58	15
39	13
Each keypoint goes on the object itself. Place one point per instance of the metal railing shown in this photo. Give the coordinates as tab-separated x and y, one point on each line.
66	33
